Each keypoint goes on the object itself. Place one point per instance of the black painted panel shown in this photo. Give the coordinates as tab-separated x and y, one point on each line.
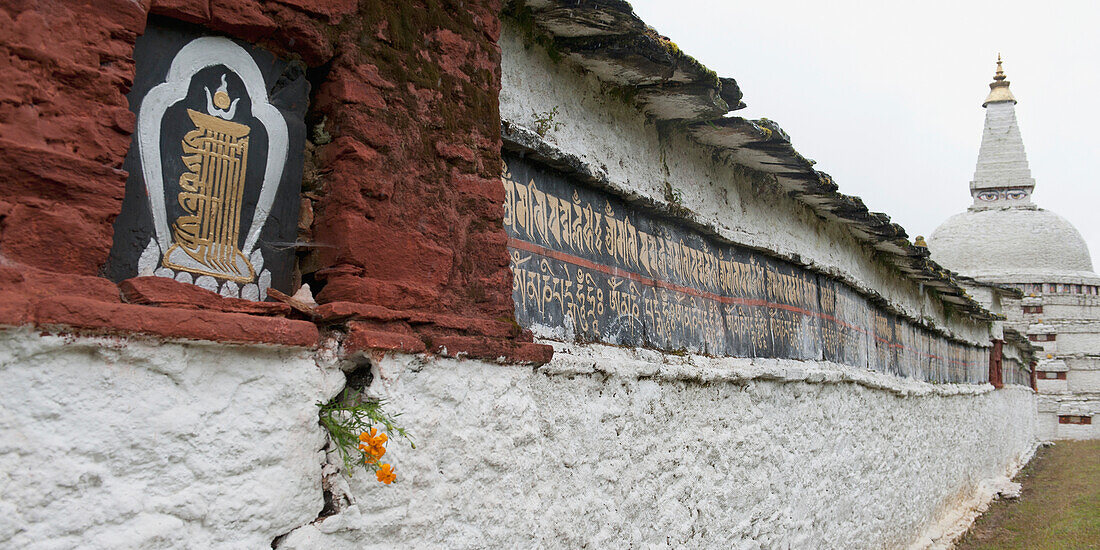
595	268
229	172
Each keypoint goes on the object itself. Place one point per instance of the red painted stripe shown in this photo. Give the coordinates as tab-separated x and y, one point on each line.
622	273
625	274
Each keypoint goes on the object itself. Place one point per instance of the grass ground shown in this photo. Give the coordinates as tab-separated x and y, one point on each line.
1059	507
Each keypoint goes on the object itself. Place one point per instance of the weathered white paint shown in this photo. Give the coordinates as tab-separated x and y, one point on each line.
1082	362
1069	343
1003	237
1078	431
118	444
1084	381
1075	319
1047	428
613	447
1051	386
135	444
1065	307
1002	162
1012	245
1054	404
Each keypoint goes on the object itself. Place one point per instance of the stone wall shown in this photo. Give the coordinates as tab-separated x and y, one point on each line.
115	443
1068	369
1063	414
401	202
130	443
155	414
613	447
651	163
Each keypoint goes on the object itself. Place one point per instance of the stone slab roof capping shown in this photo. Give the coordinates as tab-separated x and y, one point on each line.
606	38
1028	350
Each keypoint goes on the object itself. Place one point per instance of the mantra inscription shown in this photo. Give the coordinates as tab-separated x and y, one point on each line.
588	266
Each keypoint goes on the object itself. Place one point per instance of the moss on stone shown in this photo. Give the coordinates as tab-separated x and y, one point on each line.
524	19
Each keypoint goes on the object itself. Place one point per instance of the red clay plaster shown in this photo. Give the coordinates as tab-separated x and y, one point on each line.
407	210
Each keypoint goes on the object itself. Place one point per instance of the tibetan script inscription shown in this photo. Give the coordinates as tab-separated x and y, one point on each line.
588	266
215	165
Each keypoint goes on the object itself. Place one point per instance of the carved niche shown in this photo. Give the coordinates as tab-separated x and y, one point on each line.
215	165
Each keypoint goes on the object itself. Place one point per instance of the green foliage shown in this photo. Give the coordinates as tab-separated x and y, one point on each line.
675	201
525	21
319	135
544	121
350	414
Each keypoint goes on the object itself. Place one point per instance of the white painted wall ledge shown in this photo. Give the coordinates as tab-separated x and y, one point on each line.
574	359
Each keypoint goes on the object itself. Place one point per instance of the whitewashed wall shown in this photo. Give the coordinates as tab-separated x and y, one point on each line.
615	137
1069	307
1047	429
132	443
1078	431
113	443
118	444
609	447
1051	386
1070	341
1053	405
1074	319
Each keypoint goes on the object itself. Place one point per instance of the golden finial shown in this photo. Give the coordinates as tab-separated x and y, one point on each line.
998	89
919	241
1000	70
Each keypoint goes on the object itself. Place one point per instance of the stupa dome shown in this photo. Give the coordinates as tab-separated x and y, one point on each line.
1013	245
1003	237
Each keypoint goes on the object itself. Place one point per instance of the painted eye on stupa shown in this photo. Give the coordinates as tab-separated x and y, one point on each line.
1016	194
988	196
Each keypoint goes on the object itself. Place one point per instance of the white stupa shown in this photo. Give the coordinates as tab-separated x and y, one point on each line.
1003	237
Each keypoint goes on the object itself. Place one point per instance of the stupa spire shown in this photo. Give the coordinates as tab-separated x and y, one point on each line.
998	89
1002	177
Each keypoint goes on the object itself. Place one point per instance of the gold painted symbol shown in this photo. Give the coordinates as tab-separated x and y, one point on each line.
215	153
221	100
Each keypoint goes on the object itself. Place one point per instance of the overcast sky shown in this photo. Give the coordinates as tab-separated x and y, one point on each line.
887	96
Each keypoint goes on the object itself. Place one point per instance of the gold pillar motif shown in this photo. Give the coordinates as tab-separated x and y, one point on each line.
206	237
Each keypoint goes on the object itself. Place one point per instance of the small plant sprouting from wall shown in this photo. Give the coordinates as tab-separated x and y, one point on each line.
352	421
675	201
544	121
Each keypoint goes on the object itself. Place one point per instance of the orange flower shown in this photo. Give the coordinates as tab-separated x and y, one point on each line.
372	439
376	451
373	445
385	474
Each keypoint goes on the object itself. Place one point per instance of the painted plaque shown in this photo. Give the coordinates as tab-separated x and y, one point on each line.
215	164
588	266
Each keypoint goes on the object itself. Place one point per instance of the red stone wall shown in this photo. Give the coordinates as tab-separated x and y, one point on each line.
1071	419
402	188
996	364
